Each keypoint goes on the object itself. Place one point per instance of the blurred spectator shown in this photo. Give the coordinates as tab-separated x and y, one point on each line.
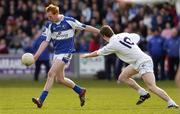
26	43
171	9
147	20
172	48
142	29
118	68
156	51
2	17
86	12
3	47
109	15
149	34
159	22
94	43
15	45
94	23
83	46
133	11
110	63
167	32
2	33
140	14
73	11
9	34
177	78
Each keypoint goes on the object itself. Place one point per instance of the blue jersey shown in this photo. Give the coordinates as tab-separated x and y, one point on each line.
62	34
155	46
172	46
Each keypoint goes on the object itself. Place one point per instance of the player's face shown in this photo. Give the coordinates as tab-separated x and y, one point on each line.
106	38
51	16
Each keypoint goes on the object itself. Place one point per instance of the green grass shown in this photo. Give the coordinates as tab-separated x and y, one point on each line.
103	97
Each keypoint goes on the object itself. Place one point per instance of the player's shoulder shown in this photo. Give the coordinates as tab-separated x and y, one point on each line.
129	35
47	24
113	40
123	34
118	36
68	18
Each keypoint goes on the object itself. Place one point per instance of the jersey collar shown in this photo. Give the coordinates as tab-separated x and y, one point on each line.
112	37
60	20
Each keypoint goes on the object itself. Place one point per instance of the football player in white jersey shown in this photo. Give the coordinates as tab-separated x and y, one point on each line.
60	30
125	47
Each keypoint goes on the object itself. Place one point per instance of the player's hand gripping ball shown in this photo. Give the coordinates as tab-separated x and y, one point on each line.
27	59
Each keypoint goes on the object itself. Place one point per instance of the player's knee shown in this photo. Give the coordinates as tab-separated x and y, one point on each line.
151	87
60	80
122	78
51	74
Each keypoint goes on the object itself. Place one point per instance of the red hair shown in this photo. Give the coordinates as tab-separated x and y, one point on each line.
52	8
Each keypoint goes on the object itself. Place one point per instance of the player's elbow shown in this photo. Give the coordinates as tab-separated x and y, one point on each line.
45	43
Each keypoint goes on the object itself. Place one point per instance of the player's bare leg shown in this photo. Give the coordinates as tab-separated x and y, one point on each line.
57	71
69	83
60	75
48	85
149	80
125	77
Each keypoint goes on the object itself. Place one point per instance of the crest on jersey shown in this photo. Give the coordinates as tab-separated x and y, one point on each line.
44	29
63	26
59	33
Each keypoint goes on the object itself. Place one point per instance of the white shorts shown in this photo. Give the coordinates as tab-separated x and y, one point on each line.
66	58
144	67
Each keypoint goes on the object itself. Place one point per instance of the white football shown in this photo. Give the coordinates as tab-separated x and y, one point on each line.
27	59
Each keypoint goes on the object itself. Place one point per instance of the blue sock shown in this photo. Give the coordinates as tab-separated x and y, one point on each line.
43	96
77	89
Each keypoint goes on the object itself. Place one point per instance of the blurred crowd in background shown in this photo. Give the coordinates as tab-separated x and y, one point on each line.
21	22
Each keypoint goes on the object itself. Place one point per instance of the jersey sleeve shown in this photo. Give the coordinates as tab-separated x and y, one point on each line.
46	32
106	50
135	38
75	23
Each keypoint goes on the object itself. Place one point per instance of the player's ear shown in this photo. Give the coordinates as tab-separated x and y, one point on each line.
102	36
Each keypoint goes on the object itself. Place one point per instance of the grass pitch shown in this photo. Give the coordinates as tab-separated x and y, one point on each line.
103	97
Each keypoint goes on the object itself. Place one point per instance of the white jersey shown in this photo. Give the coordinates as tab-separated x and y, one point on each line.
124	45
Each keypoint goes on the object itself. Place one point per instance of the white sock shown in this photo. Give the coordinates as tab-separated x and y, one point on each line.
171	102
142	91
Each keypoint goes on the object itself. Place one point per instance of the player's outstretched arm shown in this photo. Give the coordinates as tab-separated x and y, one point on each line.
91	29
87	55
42	47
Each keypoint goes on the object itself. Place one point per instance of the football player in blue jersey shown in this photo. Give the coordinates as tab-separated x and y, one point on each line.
60	30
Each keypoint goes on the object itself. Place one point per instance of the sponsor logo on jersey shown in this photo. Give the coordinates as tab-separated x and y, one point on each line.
59	33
